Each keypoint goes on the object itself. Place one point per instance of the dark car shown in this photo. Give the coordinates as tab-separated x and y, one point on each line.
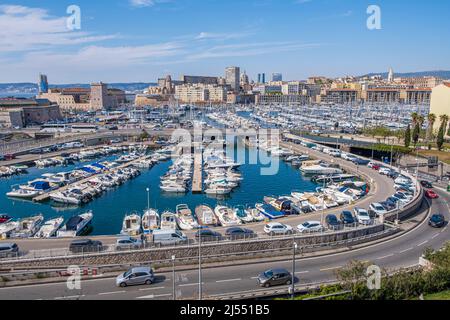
393	174
239	233
360	161
207	235
2	157
85	245
388	205
8	250
393	200
437	221
426	184
347	217
36	151
332	222
274	277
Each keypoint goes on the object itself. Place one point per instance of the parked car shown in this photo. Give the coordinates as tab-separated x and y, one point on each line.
310	226
377	209
332	222
85	245
8	250
430	194
360	161
276	228
207	235
136	276
393	174
388	205
275	277
2	157
426	184
235	233
384	171
128	243
169	237
362	216
437	221
347	217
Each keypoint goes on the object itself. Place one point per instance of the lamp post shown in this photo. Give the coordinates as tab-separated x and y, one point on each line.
293	270
173	278
148	198
200	267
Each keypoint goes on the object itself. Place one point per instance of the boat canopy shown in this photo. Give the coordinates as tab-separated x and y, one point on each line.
73	223
41	185
88	170
100	166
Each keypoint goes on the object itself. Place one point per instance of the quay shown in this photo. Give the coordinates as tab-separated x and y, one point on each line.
46	196
197	180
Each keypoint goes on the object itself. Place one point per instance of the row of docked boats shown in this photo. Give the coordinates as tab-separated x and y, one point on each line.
184	219
8	171
37	227
221	177
177	179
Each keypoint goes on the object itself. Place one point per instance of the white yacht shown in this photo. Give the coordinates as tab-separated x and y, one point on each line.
7	228
28	227
218	189
205	216
168	221
76	226
22	194
185	219
131	225
150	221
227	216
50	228
320	169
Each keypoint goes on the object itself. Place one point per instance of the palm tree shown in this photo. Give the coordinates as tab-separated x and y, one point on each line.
431	120
415	117
444	120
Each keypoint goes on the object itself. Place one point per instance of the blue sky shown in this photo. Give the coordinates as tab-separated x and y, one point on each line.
141	40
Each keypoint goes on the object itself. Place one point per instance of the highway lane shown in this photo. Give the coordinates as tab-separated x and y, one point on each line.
403	251
383	189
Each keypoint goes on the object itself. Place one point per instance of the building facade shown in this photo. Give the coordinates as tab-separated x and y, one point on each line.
25	112
232	77
440	101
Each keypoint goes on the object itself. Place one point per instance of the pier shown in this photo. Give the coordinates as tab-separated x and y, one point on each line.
197	180
46	196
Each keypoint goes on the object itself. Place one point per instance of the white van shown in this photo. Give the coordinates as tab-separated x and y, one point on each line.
169	237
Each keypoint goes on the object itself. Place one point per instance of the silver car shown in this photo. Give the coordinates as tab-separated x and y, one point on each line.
136	276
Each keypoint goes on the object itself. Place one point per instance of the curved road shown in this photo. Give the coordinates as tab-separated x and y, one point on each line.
403	251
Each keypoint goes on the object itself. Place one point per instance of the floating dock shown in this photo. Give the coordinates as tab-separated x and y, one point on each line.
197	180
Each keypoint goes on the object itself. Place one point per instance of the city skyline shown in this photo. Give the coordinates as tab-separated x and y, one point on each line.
295	38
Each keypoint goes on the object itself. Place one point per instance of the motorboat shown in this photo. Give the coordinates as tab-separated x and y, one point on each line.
131	225
320	169
243	215
39	185
150	221
218	189
50	228
7	228
74	196
173	188
168	221
4	218
256	214
227	216
76	226
22	193
269	211
205	216
28	227
185	219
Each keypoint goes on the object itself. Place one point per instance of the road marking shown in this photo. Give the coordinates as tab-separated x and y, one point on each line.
110	293
229	280
301	272
421	244
435	236
152	296
406	250
331	268
69	297
148	289
388	256
189	284
254	277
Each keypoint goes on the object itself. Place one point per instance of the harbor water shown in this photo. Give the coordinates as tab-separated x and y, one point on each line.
111	207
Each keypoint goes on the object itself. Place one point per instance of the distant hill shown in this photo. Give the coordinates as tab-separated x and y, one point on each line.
439	74
28	88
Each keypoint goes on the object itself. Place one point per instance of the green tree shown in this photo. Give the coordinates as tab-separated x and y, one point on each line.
440	136
431	120
408	136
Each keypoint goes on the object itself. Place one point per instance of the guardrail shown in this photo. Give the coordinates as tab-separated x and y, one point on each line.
43	255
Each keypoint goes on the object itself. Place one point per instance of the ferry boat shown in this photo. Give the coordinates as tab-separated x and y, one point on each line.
76	225
150	221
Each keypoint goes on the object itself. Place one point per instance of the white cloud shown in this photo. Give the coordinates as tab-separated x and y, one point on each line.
23	29
146	3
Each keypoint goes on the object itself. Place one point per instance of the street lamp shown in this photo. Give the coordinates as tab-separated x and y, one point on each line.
293	271
173	278
200	267
148	198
